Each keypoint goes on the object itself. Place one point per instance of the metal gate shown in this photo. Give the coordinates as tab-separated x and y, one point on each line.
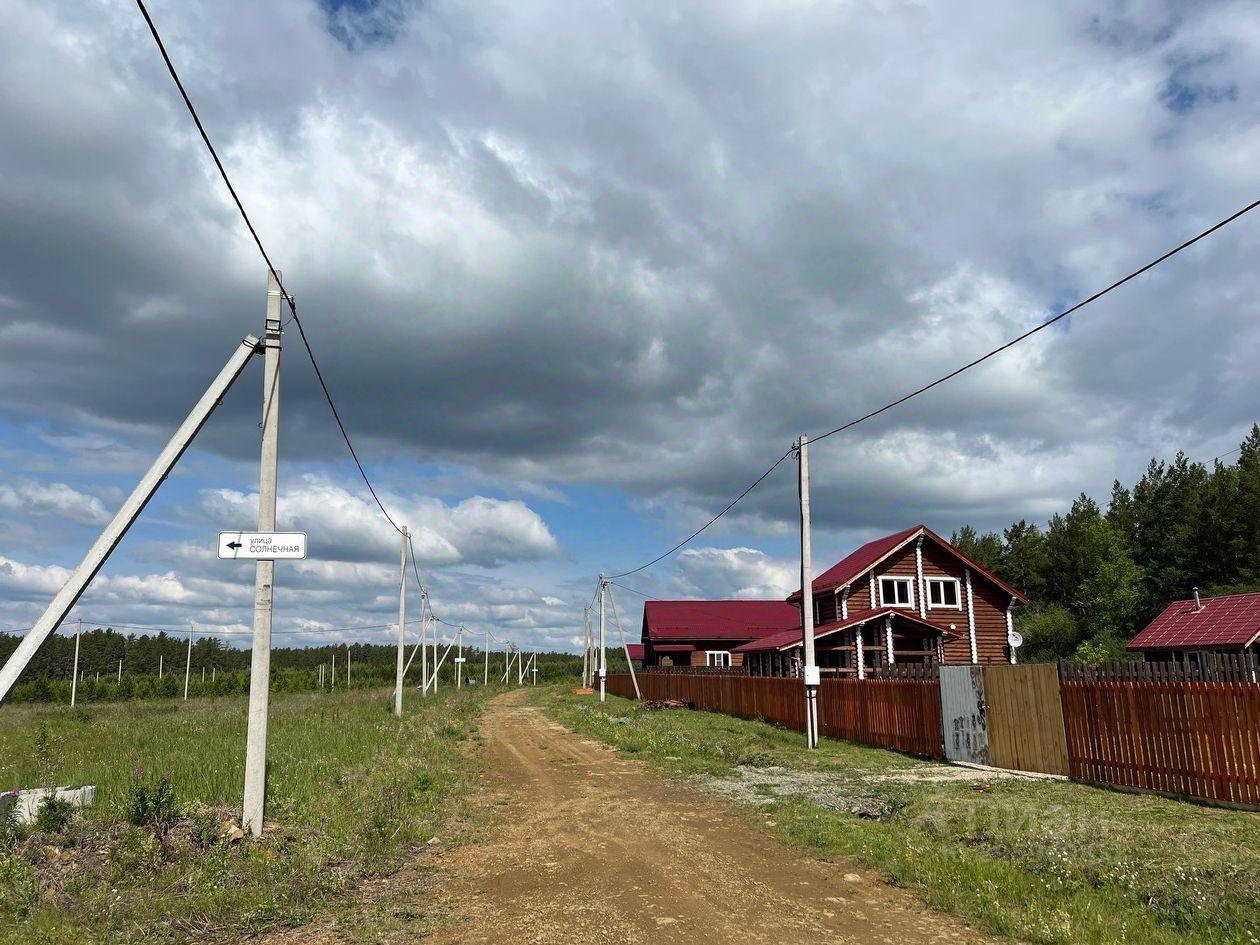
964	714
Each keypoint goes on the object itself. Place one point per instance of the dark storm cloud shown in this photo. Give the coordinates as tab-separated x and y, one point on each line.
646	247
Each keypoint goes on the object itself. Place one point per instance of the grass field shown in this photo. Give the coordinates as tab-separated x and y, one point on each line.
1041	861
350	791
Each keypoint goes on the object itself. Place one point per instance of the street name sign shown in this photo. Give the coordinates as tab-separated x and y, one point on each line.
234	546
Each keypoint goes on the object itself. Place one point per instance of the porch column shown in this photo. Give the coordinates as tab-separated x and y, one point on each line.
844	603
874	599
861	654
971	620
888	639
918	573
1010	629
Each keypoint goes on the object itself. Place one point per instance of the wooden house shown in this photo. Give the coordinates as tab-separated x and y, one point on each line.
707	632
911	597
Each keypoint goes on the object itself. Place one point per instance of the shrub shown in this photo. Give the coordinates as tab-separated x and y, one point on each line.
53	814
153	805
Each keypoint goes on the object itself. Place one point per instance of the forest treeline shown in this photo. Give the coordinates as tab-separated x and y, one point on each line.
153	666
1095	576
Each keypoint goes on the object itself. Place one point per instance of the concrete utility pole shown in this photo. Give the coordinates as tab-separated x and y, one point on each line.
533	662
347	665
402	627
252	808
459	659
334	668
812	674
424	637
120	672
486	678
160	659
188	663
74	676
603	656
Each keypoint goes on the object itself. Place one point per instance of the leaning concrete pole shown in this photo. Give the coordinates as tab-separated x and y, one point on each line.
812	675
188	662
402	627
264	573
126	516
74	676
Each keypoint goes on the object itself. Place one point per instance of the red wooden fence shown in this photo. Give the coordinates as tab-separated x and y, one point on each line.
903	714
1190	739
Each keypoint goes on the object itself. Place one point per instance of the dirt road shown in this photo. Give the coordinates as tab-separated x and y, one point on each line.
592	848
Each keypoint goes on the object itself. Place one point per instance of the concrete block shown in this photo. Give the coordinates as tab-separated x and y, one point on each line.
27	801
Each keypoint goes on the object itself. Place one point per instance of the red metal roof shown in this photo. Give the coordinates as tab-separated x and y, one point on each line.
790	638
716	619
872	553
635	650
1222	621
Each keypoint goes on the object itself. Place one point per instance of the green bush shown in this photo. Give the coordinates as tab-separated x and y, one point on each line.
53	814
153	805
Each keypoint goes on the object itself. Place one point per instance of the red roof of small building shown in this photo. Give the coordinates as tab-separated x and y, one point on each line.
675	648
790	638
849	569
1221	621
635	650
716	619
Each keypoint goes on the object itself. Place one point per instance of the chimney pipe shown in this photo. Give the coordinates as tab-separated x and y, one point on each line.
1198	604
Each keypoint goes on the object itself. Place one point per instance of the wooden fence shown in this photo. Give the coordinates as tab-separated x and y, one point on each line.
1183	738
902	714
1201	667
1025	718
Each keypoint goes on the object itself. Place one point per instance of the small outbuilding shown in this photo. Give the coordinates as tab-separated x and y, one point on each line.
1216	625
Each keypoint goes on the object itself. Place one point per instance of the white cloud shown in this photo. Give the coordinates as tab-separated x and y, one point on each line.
744	573
56	499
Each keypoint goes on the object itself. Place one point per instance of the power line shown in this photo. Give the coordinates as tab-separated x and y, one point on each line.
205	137
1046	324
966	367
697	532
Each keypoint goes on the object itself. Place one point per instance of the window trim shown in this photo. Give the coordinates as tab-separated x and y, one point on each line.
903	578
942	579
708	658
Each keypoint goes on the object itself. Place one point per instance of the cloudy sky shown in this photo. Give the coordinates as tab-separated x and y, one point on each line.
577	274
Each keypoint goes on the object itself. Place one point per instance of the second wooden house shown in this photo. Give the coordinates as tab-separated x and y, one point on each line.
911	597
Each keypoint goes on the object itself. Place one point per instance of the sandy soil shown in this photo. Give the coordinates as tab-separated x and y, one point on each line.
590	847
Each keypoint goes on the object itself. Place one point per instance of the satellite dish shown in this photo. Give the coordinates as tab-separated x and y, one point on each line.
1015	639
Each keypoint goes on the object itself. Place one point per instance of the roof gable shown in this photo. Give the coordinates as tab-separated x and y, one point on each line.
852	567
670	620
1221	621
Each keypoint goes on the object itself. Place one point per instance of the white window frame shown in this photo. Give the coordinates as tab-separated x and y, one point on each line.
725	654
904	579
944	580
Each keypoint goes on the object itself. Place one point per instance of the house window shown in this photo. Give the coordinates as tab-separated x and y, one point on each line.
718	657
896	592
943	592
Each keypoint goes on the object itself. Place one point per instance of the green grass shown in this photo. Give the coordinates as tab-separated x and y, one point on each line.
1040	861
351	789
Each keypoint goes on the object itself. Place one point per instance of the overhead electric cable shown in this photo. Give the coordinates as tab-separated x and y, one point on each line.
966	367
699	530
170	66
1046	324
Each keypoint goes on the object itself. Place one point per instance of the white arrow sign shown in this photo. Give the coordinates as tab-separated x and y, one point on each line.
266	545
